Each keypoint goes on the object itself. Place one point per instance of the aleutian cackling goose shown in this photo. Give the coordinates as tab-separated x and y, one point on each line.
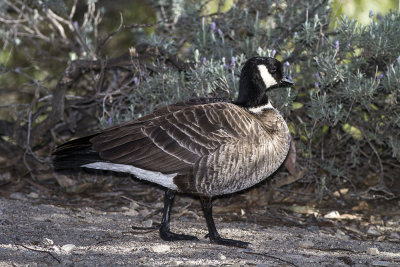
206	147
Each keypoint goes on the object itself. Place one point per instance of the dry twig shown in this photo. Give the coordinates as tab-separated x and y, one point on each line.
38	250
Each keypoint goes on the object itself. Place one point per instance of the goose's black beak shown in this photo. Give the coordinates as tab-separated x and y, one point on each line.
286	82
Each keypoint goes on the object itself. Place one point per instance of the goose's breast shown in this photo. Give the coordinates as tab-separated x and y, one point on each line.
237	166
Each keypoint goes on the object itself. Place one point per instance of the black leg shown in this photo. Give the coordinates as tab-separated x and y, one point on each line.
212	231
165	232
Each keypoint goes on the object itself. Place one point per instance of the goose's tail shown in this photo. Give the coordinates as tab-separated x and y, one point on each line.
75	153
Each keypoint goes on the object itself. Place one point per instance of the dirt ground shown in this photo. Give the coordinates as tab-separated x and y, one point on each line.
78	231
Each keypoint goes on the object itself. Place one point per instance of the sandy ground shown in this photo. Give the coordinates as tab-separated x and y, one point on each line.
36	233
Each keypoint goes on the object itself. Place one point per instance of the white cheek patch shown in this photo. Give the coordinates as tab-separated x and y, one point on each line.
266	76
166	180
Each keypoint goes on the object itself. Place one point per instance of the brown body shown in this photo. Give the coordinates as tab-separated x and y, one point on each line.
213	148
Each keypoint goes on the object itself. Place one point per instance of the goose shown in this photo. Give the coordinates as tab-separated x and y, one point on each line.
205	147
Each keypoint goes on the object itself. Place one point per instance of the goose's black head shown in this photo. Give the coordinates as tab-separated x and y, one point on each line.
259	74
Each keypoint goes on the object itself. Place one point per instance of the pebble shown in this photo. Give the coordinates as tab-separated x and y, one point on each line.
47	242
341	235
372	231
372	251
161	248
4	177
132	212
68	248
222	256
306	244
18	196
380	238
133	205
313	228
148	223
394	235
33	195
383	264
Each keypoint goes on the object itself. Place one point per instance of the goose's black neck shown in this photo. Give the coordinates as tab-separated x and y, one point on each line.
252	90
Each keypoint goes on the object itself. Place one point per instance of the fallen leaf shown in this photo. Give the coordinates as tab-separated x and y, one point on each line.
342	191
302	209
362	205
353	131
68	248
64	181
297	105
346	216
371	179
290	161
332	215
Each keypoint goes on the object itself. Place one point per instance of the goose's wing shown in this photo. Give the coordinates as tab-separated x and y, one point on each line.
172	139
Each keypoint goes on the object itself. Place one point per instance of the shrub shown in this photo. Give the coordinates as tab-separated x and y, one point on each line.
343	113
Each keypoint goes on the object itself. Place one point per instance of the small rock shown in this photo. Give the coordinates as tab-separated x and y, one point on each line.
373	251
18	196
47	242
380	238
160	248
132	212
176	263
306	244
5	177
222	256
133	205
148	223
33	195
347	260
68	248
382	263
144	212
313	228
372	231
341	235
394	235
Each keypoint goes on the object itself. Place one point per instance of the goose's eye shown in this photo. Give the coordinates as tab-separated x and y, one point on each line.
272	70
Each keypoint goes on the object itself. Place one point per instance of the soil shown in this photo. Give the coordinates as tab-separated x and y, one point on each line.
65	230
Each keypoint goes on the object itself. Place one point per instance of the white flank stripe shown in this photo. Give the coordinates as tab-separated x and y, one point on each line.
266	76
260	109
166	180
